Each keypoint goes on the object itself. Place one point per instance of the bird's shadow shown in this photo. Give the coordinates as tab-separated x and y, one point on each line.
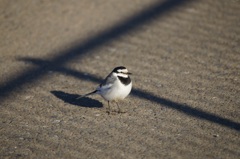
72	99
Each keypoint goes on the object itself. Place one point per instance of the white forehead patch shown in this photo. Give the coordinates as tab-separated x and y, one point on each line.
122	71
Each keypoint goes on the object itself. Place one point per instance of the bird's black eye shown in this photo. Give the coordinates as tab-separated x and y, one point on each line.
123	72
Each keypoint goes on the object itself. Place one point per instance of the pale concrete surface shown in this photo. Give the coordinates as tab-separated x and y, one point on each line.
184	56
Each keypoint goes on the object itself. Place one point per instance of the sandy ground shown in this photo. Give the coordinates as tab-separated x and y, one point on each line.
185	60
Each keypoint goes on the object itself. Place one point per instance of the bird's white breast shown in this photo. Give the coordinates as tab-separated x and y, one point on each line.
117	91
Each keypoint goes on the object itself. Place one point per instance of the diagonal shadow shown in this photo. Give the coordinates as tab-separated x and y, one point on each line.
57	64
185	109
135	21
72	99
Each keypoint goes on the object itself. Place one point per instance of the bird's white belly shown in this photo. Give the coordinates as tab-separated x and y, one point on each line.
118	92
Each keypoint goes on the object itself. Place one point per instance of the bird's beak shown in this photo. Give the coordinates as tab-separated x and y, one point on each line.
129	73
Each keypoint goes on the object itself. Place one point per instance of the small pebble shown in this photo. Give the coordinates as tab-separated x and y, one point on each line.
56	121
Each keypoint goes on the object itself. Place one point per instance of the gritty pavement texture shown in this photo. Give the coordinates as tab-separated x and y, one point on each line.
185	60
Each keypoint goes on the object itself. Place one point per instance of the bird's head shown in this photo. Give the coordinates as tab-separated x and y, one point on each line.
121	71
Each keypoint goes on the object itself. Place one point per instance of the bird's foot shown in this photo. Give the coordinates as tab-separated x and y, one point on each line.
115	112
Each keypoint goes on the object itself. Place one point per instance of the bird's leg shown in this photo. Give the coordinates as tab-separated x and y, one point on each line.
108	109
119	110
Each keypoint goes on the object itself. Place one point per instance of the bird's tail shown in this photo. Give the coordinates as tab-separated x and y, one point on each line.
87	94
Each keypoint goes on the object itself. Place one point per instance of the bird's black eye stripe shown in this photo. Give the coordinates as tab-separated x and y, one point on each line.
123	72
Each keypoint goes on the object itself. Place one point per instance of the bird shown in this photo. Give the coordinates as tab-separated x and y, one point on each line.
116	86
